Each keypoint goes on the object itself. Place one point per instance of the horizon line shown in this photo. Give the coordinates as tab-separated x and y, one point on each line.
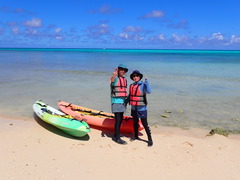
117	48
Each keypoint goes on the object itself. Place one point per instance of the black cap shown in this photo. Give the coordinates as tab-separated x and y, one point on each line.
136	72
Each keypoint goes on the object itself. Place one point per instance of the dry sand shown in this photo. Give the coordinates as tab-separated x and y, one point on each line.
31	150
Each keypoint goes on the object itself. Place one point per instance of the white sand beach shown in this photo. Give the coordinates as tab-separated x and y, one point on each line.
35	150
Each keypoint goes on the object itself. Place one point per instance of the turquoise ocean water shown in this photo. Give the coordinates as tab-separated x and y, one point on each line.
193	88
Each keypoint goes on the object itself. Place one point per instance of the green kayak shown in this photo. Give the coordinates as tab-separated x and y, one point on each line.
60	120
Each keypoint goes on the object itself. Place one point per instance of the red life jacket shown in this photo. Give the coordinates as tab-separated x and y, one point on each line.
120	89
137	97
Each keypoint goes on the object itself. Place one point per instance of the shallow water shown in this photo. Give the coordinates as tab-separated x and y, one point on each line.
199	88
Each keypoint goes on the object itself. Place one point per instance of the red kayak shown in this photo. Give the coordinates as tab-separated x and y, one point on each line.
97	118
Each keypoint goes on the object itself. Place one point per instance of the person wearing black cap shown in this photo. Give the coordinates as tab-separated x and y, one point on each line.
138	101
118	96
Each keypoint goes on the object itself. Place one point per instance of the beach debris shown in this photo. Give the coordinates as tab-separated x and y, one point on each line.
168	111
180	111
165	115
222	132
11	124
236	119
219	131
188	143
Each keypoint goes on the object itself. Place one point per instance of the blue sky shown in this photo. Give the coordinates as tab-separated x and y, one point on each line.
148	24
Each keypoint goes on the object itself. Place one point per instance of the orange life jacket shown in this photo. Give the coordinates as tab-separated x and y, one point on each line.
120	89
136	96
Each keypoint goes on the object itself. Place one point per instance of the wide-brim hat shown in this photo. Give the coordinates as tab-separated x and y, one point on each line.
136	72
123	66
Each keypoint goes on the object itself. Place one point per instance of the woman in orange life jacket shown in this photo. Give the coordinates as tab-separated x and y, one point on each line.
118	97
137	99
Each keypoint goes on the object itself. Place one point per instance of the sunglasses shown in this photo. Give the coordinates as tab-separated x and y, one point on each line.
136	75
123	69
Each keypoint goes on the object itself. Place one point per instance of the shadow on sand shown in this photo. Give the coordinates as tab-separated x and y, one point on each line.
57	131
104	132
110	134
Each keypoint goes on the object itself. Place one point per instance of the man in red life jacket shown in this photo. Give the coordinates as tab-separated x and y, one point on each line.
118	96
137	98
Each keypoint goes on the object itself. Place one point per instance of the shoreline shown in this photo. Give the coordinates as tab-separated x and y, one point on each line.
155	129
31	150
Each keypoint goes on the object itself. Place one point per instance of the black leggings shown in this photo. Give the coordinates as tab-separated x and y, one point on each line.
118	122
145	125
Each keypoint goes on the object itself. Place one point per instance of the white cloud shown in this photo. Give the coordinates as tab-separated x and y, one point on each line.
134	33
58	30
98	31
139	38
134	37
182	38
105	9
15	30
109	10
33	23
154	14
160	37
217	36
31	32
132	29
235	39
123	35
59	37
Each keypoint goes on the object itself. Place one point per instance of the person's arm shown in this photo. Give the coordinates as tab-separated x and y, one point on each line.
147	86
114	75
127	100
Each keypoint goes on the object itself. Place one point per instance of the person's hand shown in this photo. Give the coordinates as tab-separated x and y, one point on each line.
115	72
146	78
